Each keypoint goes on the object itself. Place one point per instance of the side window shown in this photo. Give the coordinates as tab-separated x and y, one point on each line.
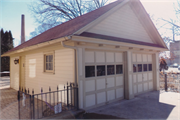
90	71
139	67
110	69
101	70
150	67
119	69
144	67
134	68
49	62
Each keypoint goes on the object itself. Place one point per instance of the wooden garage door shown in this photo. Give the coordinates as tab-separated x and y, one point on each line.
142	73
104	80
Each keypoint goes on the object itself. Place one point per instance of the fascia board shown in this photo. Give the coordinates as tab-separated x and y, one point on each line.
115	43
36	46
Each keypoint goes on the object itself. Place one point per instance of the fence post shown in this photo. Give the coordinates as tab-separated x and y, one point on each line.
30	104
165	82
19	103
67	96
33	103
77	98
71	93
42	100
57	95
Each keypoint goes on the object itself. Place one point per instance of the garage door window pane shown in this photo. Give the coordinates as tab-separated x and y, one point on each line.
139	67
144	67
90	71
110	70
119	69
101	70
150	67
134	68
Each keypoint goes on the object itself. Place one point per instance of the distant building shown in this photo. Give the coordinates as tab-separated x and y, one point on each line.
175	51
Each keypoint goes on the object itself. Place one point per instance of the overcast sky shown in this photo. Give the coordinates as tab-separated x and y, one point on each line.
11	10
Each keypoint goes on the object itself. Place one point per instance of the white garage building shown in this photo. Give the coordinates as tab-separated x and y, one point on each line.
112	53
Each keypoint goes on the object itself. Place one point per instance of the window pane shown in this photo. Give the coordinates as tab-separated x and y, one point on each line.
50	58
47	66
134	68
90	71
139	67
110	70
119	69
150	67
47	59
50	66
101	70
144	67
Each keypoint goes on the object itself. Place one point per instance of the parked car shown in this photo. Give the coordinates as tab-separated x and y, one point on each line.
179	67
175	65
4	73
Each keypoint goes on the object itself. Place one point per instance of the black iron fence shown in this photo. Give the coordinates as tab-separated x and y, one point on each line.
34	106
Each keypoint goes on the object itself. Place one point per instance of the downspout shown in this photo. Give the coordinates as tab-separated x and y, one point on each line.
75	57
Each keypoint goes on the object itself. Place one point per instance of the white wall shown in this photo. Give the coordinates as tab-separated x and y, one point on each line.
123	24
35	78
14	74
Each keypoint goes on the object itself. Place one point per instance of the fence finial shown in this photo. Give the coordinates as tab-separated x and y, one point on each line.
33	91
57	87
25	90
49	88
22	88
28	90
67	83
64	86
41	89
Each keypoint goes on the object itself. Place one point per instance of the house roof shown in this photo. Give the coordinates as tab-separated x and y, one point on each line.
77	24
67	28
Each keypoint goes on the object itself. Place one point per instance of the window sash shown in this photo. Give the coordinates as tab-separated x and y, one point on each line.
49	63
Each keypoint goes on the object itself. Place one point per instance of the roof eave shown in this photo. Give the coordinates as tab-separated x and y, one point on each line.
110	42
36	46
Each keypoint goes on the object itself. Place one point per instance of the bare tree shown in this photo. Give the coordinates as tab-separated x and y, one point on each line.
49	13
173	25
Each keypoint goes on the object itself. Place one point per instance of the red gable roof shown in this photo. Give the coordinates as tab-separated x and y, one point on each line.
67	28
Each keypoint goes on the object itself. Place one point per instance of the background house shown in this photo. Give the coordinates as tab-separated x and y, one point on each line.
111	53
175	51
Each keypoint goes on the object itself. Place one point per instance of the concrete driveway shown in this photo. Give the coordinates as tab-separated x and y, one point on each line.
151	105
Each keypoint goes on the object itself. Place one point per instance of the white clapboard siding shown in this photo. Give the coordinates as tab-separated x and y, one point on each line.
123	24
23	71
64	71
14	74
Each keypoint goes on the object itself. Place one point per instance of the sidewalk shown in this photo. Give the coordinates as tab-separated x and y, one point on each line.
8	104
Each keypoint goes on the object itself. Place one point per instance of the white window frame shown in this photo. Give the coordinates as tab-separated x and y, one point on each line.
46	54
